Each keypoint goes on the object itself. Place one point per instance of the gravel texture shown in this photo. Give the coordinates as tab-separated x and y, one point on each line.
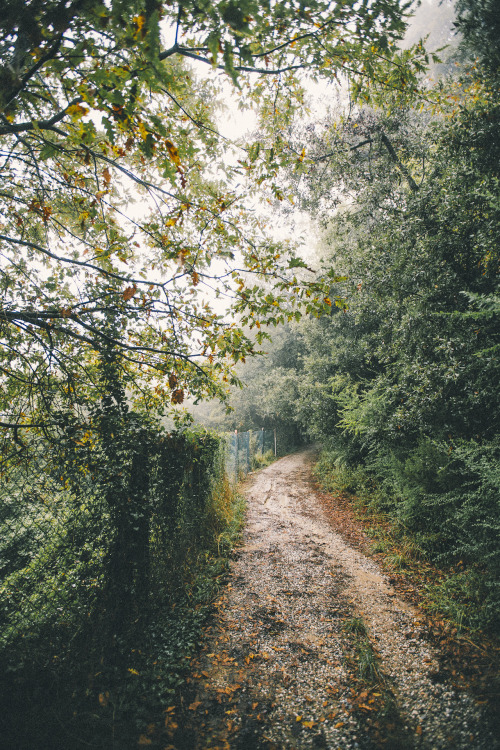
279	667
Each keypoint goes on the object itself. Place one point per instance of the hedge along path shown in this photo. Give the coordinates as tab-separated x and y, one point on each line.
280	667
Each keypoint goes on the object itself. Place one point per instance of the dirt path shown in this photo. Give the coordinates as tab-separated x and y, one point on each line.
301	616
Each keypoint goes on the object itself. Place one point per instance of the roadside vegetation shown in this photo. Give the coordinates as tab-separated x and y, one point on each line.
115	531
397	380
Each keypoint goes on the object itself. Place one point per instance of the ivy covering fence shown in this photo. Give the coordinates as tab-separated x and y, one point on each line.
101	533
90	533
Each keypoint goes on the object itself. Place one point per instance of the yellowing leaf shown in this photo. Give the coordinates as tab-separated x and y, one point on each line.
193	706
173	152
76	111
139	22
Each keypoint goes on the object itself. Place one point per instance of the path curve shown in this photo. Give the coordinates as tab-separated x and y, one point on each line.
277	669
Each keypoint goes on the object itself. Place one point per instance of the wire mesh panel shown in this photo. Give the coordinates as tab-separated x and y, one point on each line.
87	540
98	533
53	540
243	450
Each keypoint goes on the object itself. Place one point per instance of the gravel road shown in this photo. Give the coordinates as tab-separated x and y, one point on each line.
302	614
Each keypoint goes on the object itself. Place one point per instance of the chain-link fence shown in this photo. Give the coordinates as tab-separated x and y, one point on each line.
245	451
88	539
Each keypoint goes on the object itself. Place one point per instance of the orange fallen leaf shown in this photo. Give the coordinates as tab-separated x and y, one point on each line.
170	724
194	705
308	724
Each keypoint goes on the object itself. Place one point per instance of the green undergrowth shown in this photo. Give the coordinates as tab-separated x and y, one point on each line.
134	699
261	460
114	702
365	656
451	587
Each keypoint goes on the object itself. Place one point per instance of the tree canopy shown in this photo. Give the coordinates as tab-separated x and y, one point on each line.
123	210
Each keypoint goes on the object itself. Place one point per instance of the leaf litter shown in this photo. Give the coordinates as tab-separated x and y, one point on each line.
302	622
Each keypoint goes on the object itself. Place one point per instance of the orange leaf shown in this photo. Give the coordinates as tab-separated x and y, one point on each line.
129	292
193	706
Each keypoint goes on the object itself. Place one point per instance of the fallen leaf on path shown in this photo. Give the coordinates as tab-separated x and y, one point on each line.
309	724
